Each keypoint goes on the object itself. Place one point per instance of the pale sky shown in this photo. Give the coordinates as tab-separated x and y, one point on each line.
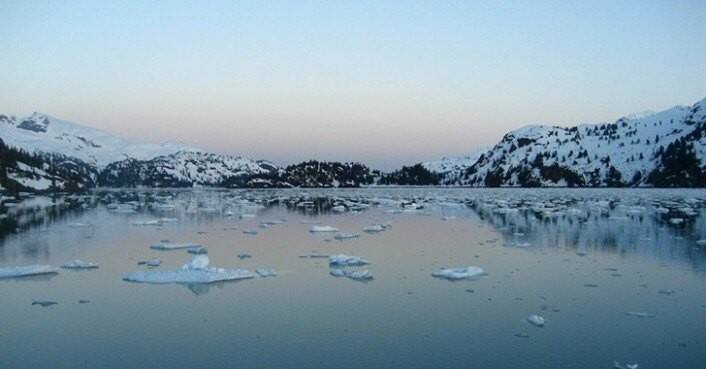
382	82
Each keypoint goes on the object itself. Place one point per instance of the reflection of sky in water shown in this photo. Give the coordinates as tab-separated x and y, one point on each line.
540	256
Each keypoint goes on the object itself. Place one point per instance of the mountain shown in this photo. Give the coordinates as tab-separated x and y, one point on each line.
449	169
43	134
663	149
188	168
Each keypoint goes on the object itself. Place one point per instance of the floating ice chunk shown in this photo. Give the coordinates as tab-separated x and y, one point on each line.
344	260
448	217
459	273
150	263
266	272
617	365
701	242
310	221
676	221
375	228
168	220
27	270
147	223
196	271
639	314
79	225
79	264
346	236
250	231
356	275
536	320
197	250
43	303
323	229
338	209
174	246
248	216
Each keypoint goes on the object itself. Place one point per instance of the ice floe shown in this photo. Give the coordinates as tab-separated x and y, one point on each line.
150	262
346	260
459	273
356	275
346	236
27	270
165	245
79	264
266	272
315	229
536	320
196	271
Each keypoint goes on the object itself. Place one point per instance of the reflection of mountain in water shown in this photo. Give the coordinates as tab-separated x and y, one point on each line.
662	228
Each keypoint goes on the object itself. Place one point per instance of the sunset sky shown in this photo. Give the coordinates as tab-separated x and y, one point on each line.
382	82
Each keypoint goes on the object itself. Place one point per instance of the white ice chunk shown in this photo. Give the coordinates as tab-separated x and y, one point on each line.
199	261
344	260
639	314
346	236
27	270
196	271
79	264
536	320
459	273
617	365
375	228
266	272
356	275
323	229
174	246
151	262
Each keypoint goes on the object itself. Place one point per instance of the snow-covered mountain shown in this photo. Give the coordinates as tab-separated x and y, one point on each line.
188	168
664	149
41	133
451	168
667	148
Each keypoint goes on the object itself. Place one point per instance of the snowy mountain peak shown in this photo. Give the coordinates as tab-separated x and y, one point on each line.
41	133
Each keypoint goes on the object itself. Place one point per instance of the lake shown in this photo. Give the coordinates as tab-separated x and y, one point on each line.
617	275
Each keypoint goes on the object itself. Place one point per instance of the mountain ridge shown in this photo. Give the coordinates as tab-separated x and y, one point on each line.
662	149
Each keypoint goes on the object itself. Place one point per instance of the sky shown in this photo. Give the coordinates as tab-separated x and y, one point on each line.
382	82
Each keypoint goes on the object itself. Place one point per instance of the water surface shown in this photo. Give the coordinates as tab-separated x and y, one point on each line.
581	259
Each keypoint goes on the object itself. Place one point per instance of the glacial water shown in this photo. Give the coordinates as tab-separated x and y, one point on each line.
617	276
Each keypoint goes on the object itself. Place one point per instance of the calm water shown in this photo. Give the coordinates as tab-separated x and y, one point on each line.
579	258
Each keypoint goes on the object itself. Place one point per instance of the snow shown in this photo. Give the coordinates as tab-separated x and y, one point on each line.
27	270
91	145
459	273
196	271
346	260
79	264
629	145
